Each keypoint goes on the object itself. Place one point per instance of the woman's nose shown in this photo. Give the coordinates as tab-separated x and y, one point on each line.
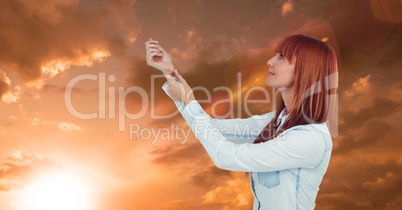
270	63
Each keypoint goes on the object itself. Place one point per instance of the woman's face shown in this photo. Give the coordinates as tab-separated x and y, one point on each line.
281	72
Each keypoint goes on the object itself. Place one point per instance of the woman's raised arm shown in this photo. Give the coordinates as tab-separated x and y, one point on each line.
177	88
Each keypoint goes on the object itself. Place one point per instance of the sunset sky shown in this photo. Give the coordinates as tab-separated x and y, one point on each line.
70	130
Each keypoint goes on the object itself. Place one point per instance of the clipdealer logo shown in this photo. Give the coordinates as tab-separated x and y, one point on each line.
148	103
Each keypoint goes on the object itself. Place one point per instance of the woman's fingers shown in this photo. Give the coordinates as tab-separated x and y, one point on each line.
152	44
172	73
155	47
156	57
155	51
160	47
179	91
154	54
150	41
172	80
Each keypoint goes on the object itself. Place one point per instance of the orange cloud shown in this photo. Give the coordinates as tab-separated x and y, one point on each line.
233	194
287	7
4	84
6	94
54	67
44	37
19	168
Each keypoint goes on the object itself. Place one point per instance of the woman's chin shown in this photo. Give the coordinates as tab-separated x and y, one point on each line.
269	82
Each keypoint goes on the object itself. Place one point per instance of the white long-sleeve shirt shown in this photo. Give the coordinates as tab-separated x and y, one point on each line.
287	170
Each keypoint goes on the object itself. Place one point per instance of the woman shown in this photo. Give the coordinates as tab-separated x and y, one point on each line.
290	156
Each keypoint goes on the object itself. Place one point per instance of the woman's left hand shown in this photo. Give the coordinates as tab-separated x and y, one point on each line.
178	88
157	57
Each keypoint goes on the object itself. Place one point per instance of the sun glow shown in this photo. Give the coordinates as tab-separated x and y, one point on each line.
59	191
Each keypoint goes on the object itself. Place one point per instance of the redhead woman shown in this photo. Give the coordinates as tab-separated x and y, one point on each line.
290	155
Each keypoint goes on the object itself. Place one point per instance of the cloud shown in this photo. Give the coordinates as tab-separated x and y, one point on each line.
209	177
367	33
4	84
3	88
185	154
42	37
6	94
49	12
180	11
233	194
354	182
12	96
54	67
63	126
68	126
20	168
221	189
287	7
311	8
36	119
366	113
230	194
183	56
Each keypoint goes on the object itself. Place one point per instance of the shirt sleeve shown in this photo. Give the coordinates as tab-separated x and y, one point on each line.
245	129
238	130
297	147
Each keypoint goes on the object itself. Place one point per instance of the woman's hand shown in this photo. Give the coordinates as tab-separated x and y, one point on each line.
178	88
157	57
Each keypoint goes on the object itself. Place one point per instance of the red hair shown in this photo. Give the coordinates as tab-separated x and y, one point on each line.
315	86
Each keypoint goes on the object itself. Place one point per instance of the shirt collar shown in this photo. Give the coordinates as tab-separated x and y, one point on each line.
283	115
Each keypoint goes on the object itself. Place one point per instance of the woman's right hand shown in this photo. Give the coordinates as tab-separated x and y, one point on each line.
178	88
157	57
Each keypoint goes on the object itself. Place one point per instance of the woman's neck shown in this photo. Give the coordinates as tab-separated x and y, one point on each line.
287	97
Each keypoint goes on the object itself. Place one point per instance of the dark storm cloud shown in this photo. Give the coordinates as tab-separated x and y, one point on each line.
34	32
358	30
311	8
383	63
355	183
209	18
380	109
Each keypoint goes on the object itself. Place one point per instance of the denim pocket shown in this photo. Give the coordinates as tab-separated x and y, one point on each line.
269	179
